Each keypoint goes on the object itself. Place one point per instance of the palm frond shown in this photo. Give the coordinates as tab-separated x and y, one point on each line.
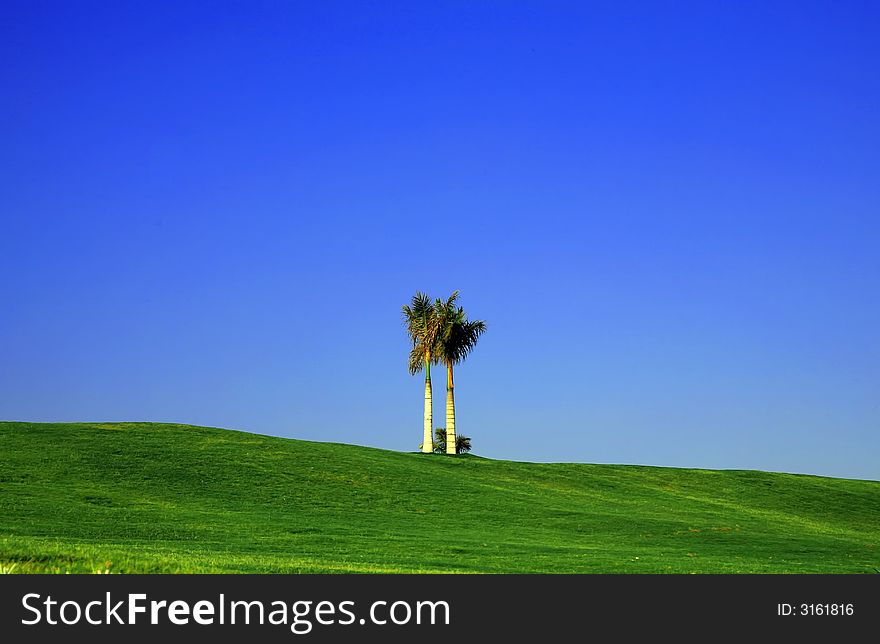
449	304
467	335
416	359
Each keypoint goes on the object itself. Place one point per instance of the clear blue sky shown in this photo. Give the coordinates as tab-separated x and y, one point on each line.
667	213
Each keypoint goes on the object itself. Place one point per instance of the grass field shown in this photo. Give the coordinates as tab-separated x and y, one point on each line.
134	497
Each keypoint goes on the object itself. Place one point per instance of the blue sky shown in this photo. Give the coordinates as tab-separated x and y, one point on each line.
666	212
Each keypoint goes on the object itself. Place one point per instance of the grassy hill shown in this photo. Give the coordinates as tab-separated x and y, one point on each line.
135	497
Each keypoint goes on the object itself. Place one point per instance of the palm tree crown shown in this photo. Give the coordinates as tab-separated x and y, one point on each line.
458	335
422	326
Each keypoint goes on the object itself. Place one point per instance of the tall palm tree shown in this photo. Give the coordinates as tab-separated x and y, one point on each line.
420	317
456	339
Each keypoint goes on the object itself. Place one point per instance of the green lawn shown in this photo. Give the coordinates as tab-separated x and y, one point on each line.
134	497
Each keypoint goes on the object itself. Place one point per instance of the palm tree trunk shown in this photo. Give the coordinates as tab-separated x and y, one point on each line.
428	440
450	411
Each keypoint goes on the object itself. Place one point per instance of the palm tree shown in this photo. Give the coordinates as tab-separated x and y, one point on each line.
462	443
456	339
422	326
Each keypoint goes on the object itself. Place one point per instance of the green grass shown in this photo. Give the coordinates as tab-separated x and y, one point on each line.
133	497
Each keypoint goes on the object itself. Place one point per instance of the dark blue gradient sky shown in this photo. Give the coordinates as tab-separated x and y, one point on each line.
667	213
